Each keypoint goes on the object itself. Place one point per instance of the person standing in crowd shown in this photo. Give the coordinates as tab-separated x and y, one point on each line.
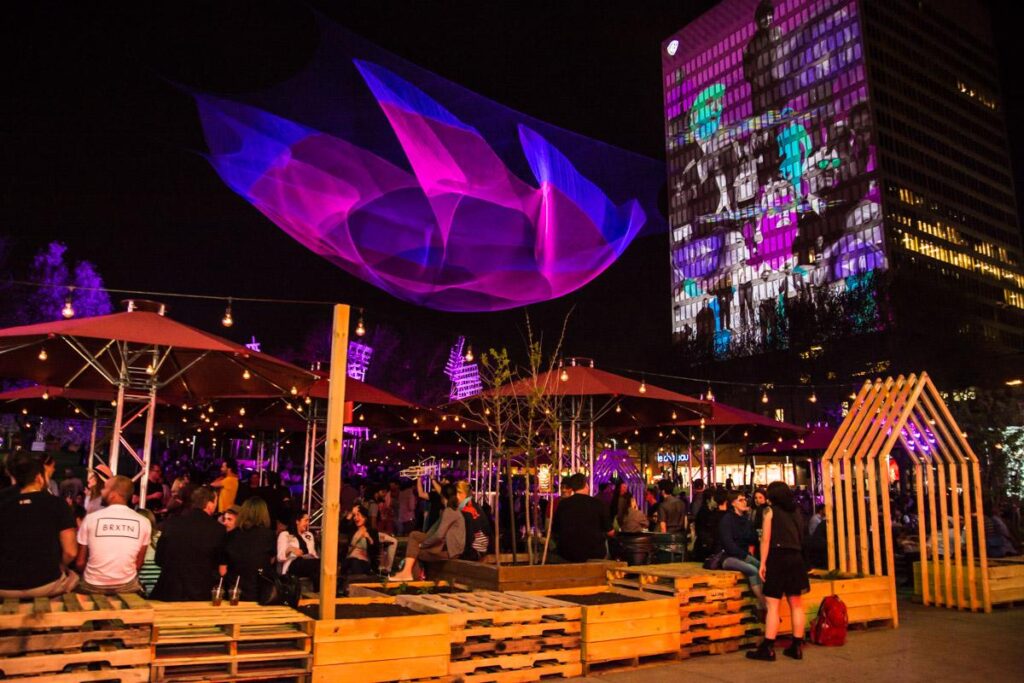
230	518
71	487
94	490
760	505
157	493
296	550
149	573
582	524
112	542
671	511
782	570
49	467
631	520
407	501
249	488
250	548
446	542
37	535
737	537
226	485
190	551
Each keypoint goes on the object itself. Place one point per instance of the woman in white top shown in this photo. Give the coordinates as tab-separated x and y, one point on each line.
296	551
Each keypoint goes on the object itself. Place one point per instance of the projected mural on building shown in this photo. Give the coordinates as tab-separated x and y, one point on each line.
773	204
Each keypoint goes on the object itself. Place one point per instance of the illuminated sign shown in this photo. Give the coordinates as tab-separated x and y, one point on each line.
670	458
773	205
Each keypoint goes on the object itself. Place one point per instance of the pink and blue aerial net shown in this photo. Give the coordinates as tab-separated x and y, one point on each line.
428	191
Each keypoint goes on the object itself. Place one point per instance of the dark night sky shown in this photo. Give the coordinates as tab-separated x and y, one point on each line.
100	147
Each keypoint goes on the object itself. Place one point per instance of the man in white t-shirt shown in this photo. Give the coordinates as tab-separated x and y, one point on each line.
112	542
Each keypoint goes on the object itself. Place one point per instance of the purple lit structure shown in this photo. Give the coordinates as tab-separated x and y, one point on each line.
427	191
465	376
617	464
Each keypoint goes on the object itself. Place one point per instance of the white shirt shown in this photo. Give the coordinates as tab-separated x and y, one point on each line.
286	543
114	535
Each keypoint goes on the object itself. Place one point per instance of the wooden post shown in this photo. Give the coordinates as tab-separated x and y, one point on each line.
332	463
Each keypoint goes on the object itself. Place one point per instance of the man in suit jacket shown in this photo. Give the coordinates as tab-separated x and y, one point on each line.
190	551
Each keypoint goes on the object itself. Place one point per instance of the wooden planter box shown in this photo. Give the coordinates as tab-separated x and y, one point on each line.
373	649
1005	577
378	590
196	641
76	638
626	634
512	636
505	577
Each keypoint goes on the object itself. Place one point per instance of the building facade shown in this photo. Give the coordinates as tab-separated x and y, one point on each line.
830	162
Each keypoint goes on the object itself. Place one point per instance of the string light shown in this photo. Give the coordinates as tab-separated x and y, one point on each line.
227	320
469	354
246	374
150	369
853	396
764	396
43	355
643	387
69	310
241	411
307	400
564	376
294	391
46	394
618	408
813	398
360	327
709	396
674	416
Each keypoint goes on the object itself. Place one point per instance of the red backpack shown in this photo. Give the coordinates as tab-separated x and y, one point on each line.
829	627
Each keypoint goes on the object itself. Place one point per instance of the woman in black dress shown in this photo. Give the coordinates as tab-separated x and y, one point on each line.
250	548
782	570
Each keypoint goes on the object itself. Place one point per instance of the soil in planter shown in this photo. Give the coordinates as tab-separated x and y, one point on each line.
367	611
417	590
596	598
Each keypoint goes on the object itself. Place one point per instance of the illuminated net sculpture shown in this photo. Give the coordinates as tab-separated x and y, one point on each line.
460	230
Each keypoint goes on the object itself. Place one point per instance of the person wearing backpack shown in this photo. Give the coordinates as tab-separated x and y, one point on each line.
782	570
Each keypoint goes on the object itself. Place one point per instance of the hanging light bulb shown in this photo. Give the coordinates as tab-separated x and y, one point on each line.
246	374
69	310
436	429
487	411
294	391
150	369
674	416
564	376
42	354
703	422
362	418
210	409
469	354
764	396
240	425
46	394
77	411
227	320
360	328
618	408
813	398
241	411
24	411
853	396
709	396
307	400
643	387
415	420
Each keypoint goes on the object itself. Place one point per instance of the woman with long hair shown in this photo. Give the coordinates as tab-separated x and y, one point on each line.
93	492
362	545
250	547
631	519
446	542
782	570
296	550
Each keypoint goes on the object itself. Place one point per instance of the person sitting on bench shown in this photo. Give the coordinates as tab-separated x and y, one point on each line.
445	542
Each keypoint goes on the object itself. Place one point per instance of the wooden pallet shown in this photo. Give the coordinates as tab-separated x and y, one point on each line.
508	636
76	637
622	632
195	641
718	647
381	648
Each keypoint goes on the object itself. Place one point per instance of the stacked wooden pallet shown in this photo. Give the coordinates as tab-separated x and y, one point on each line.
624	628
367	642
194	641
509	636
715	607
76	638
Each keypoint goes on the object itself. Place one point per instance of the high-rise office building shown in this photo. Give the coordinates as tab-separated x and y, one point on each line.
838	167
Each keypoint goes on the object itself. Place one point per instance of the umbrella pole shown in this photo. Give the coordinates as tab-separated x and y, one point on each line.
332	463
689	463
115	436
590	431
92	445
714	455
147	446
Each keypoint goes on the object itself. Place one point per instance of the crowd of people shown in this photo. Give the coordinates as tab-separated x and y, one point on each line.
95	537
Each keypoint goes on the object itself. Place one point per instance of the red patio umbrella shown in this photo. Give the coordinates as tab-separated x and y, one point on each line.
143	354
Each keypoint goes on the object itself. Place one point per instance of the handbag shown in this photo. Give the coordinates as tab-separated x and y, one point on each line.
275	589
715	560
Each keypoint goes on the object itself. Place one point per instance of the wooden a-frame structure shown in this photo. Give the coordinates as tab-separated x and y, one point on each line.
947	478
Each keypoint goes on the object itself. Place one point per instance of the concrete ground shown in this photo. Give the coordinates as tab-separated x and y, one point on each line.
932	644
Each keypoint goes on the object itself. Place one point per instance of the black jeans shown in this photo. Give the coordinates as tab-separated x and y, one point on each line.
306	567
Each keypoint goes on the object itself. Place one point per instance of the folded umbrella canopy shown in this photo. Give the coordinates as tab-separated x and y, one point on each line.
142	354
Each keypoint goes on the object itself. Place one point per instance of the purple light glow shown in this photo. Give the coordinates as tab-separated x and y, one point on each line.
461	232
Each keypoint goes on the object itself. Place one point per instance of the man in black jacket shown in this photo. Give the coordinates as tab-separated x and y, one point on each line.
190	551
736	536
582	524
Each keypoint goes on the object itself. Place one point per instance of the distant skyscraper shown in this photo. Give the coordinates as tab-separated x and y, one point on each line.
821	150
